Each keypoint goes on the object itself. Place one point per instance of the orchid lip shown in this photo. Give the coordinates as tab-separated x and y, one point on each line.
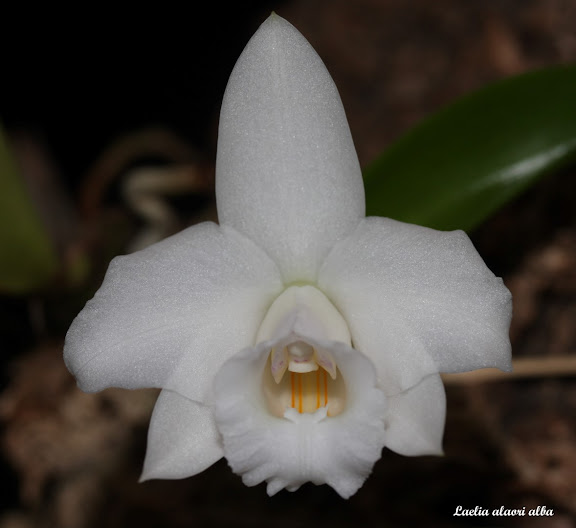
292	432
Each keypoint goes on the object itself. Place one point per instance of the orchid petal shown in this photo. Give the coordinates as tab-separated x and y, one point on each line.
182	439
300	447
408	291
287	174
170	315
415	422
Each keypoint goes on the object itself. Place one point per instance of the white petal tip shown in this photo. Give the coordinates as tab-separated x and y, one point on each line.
159	473
274	17
275	22
276	485
150	474
348	491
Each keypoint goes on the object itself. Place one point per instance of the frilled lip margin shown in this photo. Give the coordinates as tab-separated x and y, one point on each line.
299	447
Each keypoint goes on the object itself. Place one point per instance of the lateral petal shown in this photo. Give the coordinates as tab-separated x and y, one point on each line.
408	292
182	439
287	173
415	419
169	316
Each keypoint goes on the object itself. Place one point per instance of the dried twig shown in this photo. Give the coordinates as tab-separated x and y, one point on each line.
538	367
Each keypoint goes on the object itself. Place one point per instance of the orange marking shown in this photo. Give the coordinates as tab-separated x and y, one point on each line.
292	385
318	389
325	389
300	393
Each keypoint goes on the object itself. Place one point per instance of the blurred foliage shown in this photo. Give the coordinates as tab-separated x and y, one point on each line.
27	258
450	172
457	167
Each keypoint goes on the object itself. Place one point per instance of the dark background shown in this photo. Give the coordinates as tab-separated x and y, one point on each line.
85	94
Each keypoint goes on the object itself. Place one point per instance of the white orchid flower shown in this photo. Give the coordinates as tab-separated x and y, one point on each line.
297	338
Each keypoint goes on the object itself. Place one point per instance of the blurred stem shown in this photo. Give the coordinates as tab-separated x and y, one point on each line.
524	368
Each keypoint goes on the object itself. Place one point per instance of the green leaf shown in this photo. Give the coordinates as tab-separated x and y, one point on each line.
27	258
459	166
